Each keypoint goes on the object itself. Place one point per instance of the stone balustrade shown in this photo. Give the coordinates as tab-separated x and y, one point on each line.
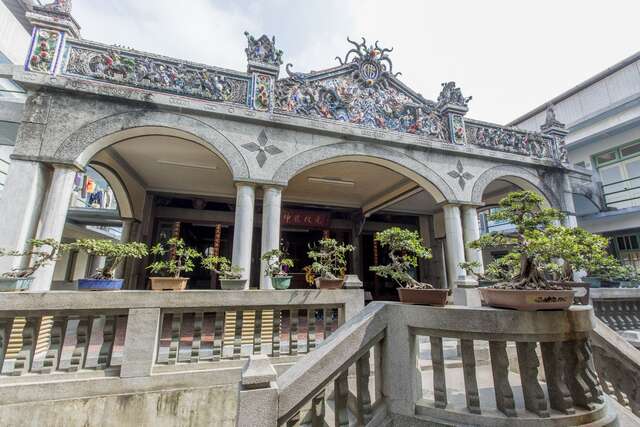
164	337
618	308
388	385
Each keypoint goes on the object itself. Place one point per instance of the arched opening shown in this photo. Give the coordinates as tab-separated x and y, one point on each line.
165	186
350	198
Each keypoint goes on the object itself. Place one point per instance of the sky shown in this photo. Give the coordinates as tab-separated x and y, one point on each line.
511	56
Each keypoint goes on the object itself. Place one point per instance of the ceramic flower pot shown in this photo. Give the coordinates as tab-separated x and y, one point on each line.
281	282
528	300
168	283
436	297
329	283
233	284
100	284
15	284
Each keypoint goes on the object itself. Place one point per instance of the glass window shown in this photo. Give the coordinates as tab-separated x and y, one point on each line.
621	244
606	157
630	150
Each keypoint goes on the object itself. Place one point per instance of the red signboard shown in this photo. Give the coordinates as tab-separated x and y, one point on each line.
305	218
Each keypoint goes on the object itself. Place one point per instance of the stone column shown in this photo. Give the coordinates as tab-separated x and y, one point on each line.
243	229
271	205
53	217
423	224
471	231
455	245
20	206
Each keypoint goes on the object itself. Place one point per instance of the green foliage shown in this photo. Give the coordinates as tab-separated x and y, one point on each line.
329	258
223	267
501	269
405	249
115	252
539	248
41	252
177	257
276	262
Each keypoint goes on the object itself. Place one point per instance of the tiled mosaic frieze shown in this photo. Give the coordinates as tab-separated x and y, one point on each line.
123	67
44	50
512	141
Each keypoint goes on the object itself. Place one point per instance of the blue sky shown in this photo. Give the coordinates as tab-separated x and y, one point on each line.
510	56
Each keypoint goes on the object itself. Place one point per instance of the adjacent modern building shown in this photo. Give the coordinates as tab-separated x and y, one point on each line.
602	117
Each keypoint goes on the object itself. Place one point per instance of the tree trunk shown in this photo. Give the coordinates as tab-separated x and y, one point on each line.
529	276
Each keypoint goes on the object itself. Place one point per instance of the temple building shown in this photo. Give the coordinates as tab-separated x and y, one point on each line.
240	162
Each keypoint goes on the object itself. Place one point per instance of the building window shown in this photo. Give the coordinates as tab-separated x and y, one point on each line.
629	249
619	170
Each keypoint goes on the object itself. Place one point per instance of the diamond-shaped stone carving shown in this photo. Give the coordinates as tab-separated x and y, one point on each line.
460	174
262	148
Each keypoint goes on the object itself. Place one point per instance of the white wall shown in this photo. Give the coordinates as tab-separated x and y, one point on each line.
14	39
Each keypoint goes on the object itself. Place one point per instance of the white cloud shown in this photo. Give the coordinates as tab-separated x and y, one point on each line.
510	55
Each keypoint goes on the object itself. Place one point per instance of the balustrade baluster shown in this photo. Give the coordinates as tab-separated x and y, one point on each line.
293	332
634	314
500	371
218	335
185	340
317	410
43	341
581	379
554	369
14	346
311	326
439	378
5	333
174	345
197	336
257	333
340	396
206	337
328	323
106	348
275	342
237	335
363	371
164	343
79	352
470	379
528	363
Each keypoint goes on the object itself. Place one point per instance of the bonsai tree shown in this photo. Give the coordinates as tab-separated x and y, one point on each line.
329	258
115	253
41	252
500	270
222	266
542	249
405	249
181	258
276	262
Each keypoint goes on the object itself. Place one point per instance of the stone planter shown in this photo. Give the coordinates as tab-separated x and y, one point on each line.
328	283
100	284
281	282
423	296
233	284
15	284
168	283
528	300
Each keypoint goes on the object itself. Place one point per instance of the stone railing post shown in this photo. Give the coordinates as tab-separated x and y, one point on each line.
141	342
258	394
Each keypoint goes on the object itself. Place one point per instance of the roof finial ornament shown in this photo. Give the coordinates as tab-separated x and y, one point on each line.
550	120
452	95
263	50
59	6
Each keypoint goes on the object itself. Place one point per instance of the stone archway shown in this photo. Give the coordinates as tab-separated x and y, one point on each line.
120	191
87	141
521	177
397	161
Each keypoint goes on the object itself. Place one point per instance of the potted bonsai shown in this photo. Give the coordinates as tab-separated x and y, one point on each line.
276	262
499	270
329	263
539	281
115	253
230	275
41	253
629	277
177	258
405	249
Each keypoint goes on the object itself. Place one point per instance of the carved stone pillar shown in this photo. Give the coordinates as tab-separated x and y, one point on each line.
243	229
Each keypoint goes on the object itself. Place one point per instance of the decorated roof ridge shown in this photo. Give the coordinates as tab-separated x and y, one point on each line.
83	43
476	122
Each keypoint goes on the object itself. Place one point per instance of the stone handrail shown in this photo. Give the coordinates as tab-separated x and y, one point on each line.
54	337
389	337
617	362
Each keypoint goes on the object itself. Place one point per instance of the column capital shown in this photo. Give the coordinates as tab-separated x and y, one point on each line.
460	204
